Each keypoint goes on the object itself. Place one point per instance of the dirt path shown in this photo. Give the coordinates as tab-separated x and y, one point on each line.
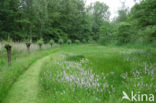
25	90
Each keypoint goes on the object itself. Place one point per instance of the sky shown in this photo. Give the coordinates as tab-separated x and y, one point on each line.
114	5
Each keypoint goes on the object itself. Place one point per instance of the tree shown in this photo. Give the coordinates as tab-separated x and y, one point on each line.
40	43
51	42
143	20
124	33
122	14
99	13
8	13
105	32
8	46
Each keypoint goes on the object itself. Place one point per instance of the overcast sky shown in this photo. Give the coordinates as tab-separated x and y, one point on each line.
114	5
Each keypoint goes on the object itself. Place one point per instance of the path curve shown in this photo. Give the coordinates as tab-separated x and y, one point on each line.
26	89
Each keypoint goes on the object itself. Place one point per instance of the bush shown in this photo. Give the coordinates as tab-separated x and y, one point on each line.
51	42
69	41
91	41
60	41
77	41
40	42
84	40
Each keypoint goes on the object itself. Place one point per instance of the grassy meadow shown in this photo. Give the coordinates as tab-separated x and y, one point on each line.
77	73
77	51
97	74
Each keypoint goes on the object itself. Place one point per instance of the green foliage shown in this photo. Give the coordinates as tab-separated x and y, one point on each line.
28	41
135	26
91	41
144	13
40	42
50	19
72	19
60	41
147	35
106	33
123	14
143	20
99	12
77	41
69	41
8	13
47	21
124	33
8	42
51	42
84	41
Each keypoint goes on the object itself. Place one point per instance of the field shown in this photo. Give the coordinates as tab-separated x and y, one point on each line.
83	73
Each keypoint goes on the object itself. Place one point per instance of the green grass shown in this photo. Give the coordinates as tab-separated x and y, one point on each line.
88	73
114	69
21	60
25	90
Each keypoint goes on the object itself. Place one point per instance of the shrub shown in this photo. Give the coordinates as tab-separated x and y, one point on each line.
84	40
91	41
40	42
51	42
28	44
69	41
60	41
77	41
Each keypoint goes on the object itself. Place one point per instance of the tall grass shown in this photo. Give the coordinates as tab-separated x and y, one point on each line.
18	49
97	74
21	47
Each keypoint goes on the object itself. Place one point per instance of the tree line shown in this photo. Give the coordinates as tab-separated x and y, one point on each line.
135	26
73	21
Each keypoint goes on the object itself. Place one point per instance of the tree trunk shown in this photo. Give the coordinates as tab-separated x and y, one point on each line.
8	48
28	47
40	46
